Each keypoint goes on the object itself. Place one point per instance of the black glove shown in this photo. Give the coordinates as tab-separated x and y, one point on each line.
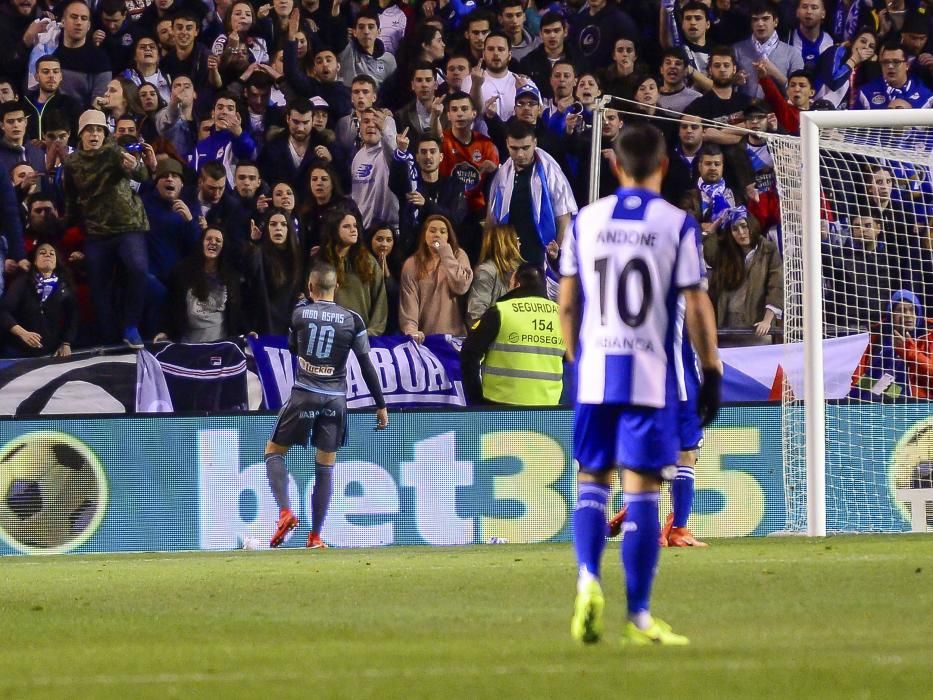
710	396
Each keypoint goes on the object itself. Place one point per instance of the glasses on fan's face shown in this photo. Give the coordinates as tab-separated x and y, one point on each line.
892	62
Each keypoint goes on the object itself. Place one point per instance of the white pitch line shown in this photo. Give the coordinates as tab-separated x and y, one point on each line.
828	556
683	662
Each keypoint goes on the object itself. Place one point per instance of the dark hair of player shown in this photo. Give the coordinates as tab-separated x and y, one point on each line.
801	73
551	17
428	137
323	276
709	149
640	151
695	6
722	51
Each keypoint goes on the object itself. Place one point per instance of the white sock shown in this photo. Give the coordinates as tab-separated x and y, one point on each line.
584	578
642	620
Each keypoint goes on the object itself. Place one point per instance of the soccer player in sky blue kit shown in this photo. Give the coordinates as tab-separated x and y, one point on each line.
322	335
629	259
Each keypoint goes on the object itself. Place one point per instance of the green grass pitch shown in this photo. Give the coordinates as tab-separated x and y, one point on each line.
846	617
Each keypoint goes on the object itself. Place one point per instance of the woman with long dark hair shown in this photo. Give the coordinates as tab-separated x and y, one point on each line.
275	273
424	46
360	283
616	79
325	195
382	244
842	70
242	43
275	21
746	278
646	92
282	197
151	102
121	98
39	312
433	281
204	296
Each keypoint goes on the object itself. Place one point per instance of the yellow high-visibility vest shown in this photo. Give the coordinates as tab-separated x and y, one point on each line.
524	364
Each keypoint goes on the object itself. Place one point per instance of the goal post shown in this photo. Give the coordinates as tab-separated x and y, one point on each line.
845	434
827	164
814	394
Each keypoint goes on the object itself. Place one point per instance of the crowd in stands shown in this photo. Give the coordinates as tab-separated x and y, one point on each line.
170	170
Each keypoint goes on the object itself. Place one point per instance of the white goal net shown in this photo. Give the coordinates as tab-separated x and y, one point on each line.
870	262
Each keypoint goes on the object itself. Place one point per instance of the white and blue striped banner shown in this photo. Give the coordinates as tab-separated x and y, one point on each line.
410	374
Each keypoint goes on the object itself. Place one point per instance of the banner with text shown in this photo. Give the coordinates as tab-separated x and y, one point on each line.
218	377
410	374
434	477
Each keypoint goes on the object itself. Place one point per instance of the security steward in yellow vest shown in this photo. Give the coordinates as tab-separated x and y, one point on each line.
519	345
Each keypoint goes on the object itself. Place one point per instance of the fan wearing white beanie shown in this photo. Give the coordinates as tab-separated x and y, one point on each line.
98	196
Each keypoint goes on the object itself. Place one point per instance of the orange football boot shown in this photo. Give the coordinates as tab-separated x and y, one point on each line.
615	522
666	530
287	523
315	541
682	537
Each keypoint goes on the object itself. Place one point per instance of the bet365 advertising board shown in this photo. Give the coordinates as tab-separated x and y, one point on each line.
432	478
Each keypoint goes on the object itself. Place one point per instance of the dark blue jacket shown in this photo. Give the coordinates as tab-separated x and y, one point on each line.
170	238
276	163
11	223
592	36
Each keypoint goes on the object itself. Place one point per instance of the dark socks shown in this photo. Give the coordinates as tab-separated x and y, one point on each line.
277	474
320	498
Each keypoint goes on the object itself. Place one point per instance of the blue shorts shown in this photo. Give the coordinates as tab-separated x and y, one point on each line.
688	424
629	437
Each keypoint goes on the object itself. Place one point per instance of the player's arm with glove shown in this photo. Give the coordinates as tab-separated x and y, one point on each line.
701	323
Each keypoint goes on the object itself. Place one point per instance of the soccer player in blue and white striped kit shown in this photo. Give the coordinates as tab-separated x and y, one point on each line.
629	259
675	532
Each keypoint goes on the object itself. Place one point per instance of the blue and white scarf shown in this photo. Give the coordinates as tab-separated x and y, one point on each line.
670	18
846	20
901	93
732	216
713	196
550	195
414	179
46	286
